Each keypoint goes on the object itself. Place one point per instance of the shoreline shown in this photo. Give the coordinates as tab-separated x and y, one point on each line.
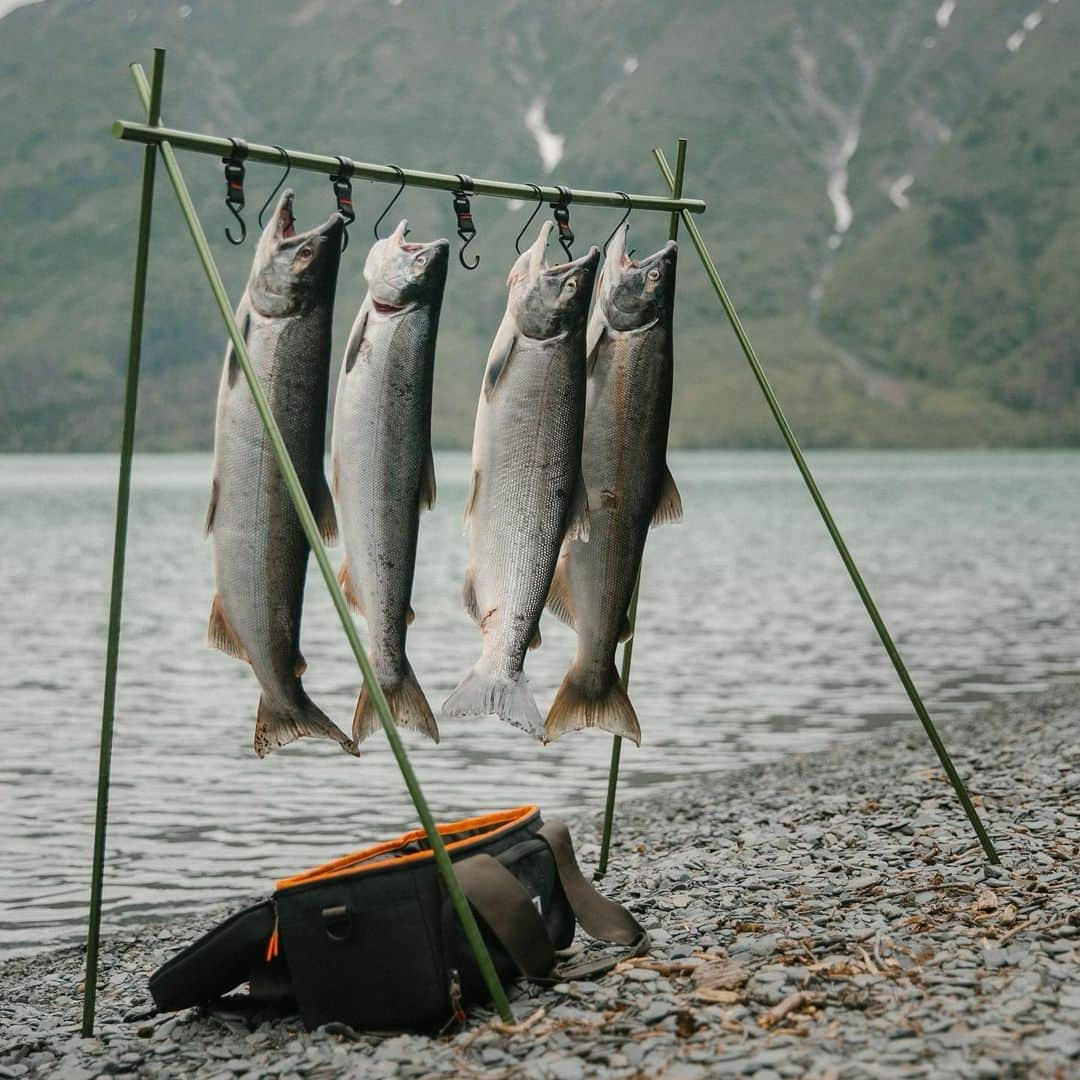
828	914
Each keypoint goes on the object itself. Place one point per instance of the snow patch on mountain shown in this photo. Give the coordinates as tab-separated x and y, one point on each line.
8	6
548	142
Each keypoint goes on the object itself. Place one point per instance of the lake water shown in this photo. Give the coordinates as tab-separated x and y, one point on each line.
751	643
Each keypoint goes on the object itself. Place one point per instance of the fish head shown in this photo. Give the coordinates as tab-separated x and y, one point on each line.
546	301
293	272
636	292
400	275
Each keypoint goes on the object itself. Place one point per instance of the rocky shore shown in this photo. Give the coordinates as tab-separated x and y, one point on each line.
830	915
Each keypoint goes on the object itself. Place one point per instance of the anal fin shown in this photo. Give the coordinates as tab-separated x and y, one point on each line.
352	597
577	520
221	635
559	601
669	506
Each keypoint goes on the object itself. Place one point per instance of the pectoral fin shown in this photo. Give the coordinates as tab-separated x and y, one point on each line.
669	507
499	356
594	336
356	338
577	524
474	489
231	361
211	510
427	483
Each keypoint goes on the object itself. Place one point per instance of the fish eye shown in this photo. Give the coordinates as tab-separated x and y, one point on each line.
571	284
305	252
421	259
653	274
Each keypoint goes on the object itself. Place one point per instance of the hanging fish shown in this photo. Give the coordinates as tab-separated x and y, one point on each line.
526	492
382	468
260	551
624	461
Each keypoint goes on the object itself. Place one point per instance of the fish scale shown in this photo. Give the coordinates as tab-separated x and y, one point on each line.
624	463
259	548
526	491
382	466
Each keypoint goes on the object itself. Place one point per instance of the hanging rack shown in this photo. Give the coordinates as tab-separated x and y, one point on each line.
167	141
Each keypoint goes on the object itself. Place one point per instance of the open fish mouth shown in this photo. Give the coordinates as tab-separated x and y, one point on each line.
386	309
285	221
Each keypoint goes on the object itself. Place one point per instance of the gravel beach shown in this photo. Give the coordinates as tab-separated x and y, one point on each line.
829	915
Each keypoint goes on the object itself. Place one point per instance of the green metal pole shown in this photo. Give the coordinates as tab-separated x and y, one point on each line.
311	531
631	612
386	174
830	524
116	598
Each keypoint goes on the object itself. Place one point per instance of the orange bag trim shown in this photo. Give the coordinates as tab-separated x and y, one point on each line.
381	855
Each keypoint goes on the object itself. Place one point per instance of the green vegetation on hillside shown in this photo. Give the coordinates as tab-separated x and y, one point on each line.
947	323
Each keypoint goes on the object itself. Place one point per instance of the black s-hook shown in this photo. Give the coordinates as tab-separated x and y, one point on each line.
562	219
466	229
342	183
622	220
284	176
234	187
536	210
397	195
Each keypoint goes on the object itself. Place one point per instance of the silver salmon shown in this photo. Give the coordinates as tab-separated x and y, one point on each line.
526	491
260	551
382	470
624	461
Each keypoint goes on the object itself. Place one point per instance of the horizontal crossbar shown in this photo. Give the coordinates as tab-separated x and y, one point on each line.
387	174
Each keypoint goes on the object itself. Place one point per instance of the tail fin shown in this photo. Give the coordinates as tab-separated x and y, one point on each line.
278	726
577	706
408	706
481	693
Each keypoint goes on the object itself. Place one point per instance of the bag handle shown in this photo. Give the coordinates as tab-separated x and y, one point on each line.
600	917
504	905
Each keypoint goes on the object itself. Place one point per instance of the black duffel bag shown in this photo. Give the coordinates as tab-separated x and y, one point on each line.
372	940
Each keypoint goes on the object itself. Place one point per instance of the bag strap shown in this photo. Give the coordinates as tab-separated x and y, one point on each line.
599	916
504	905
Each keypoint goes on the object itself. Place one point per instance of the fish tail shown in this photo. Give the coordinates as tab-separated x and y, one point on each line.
279	725
408	706
482	693
578	706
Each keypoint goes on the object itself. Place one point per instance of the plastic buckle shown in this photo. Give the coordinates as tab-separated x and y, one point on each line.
562	218
234	174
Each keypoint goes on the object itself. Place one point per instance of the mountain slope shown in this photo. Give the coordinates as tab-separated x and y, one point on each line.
802	115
